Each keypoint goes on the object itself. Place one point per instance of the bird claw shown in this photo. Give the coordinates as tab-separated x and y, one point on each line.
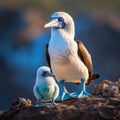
84	94
39	105
63	96
53	103
80	94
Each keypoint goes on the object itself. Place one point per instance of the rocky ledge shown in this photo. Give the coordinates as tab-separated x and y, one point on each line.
104	104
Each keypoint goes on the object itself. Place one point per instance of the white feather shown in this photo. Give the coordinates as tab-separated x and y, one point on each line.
41	81
65	62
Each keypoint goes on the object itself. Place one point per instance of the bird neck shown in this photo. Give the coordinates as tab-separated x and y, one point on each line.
68	32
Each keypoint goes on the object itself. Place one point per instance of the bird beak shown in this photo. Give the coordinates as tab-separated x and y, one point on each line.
52	23
50	75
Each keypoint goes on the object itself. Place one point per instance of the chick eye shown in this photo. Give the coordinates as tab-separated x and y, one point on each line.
44	73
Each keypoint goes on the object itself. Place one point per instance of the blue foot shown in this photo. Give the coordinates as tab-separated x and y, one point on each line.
64	94
53	103
40	104
82	93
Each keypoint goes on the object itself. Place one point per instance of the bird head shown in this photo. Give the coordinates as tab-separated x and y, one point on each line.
44	71
62	21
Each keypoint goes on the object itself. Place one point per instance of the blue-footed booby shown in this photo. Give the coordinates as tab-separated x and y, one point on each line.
45	89
69	59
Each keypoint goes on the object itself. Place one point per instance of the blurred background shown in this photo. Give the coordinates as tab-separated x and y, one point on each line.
23	39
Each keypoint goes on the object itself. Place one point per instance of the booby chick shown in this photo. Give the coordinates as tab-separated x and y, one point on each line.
45	88
70	61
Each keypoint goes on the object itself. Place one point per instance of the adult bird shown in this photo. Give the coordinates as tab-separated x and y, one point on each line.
69	59
45	88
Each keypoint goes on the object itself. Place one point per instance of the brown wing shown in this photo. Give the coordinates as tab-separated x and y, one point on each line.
86	58
48	56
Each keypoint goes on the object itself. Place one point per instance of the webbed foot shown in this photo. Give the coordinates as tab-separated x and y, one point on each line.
40	104
81	93
64	94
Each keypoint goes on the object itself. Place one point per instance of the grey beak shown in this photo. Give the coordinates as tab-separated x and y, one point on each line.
52	23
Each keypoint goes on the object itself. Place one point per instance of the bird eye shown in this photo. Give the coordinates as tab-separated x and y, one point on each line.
44	73
60	19
61	22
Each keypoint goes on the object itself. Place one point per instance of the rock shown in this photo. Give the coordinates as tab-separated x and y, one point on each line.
90	108
104	104
108	89
1	112
20	103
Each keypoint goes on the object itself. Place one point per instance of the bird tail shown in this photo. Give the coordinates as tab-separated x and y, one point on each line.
92	78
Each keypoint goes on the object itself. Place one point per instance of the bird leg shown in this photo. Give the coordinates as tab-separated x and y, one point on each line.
64	94
81	93
40	104
53	102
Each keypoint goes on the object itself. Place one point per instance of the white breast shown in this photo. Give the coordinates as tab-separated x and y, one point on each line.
65	63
